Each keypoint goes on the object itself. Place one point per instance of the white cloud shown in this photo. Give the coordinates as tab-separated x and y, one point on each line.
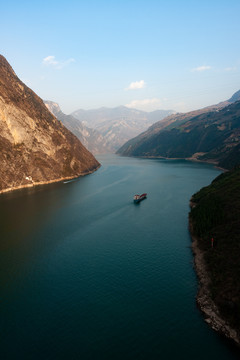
145	104
230	69
51	61
136	85
201	68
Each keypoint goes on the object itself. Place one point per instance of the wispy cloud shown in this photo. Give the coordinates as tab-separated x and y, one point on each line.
136	85
201	68
234	68
53	62
145	104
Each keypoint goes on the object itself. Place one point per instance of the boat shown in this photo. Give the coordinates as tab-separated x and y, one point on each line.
138	198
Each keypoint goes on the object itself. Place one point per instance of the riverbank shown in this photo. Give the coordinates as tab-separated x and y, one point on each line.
214	227
204	300
193	159
33	184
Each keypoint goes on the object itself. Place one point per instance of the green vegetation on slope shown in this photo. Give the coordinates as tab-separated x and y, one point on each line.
212	136
216	215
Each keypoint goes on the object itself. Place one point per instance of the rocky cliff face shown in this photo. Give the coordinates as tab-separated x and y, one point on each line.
34	146
92	139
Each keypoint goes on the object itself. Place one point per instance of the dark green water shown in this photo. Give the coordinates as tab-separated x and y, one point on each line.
86	274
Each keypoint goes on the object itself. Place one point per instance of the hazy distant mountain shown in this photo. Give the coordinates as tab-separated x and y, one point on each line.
35	146
235	97
92	139
211	134
119	124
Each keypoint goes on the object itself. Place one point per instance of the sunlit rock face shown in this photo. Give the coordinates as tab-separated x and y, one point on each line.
34	146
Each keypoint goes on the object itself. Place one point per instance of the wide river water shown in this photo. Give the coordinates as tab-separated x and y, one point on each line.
88	274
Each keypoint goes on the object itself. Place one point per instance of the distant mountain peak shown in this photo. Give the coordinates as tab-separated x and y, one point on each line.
121	123
235	97
52	106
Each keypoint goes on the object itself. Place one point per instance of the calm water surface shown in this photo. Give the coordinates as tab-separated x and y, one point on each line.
86	274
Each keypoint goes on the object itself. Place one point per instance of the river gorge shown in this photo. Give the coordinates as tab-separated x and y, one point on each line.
88	274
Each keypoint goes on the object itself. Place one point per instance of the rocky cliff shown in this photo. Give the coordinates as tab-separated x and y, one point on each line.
34	146
92	139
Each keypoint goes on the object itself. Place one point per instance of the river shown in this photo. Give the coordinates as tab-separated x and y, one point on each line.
88	274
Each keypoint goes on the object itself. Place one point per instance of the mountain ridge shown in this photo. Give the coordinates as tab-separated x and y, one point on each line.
119	124
192	135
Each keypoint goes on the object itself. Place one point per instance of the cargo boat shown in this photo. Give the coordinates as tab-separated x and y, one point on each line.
138	198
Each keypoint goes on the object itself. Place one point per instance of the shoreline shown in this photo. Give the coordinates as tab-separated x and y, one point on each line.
193	159
204	301
33	184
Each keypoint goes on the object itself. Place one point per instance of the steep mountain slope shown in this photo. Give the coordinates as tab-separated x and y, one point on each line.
34	146
119	124
215	215
235	97
210	135
92	139
172	121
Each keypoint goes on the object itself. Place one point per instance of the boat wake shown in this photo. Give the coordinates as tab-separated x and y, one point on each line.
66	182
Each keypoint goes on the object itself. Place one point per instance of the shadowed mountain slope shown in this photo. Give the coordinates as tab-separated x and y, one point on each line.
215	215
211	134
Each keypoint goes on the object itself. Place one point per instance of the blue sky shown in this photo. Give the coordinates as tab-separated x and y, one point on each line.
179	55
